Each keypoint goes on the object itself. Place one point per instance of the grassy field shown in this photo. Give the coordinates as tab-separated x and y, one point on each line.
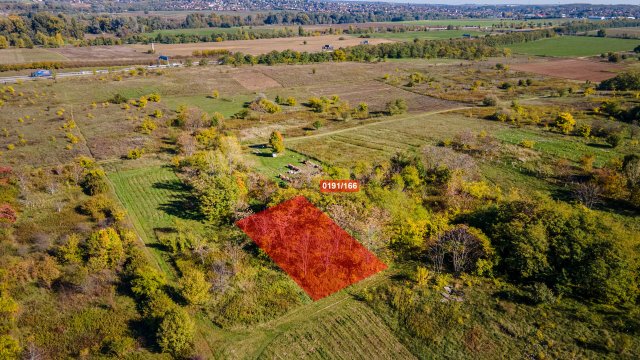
154	198
381	141
377	142
573	46
13	56
335	334
227	106
272	166
317	330
558	146
623	32
426	35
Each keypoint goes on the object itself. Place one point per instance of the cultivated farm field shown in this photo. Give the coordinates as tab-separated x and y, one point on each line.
209	31
625	32
259	46
573	46
12	56
574	69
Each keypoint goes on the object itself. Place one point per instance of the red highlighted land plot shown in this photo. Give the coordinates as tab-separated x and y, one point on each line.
318	254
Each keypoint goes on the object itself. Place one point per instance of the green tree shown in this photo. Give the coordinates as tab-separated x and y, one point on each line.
362	110
411	177
70	252
276	141
565	122
614	139
147	281
8	311
490	100
157	307
94	182
105	249
176	333
627	80
570	248
339	55
3	42
218	196
9	347
396	107
631	171
194	287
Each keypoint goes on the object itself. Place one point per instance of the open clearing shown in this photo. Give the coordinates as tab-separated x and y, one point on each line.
380	141
254	80
85	54
129	53
624	32
349	331
260	46
154	198
573	46
16	56
102	53
574	69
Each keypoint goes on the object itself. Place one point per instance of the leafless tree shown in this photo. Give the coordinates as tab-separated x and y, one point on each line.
588	193
222	274
305	244
187	144
241	210
235	254
436	253
52	187
464	140
634	129
434	157
459	245
366	224
75	172
59	205
32	352
631	170
23	181
200	248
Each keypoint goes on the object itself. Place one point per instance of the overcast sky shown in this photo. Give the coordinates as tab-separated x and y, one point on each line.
518	2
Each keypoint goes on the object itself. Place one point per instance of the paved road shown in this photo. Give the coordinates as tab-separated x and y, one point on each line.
13	79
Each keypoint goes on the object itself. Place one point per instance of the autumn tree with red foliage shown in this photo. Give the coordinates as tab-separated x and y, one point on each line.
8	214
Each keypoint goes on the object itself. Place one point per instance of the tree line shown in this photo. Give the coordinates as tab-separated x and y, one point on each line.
48	29
455	49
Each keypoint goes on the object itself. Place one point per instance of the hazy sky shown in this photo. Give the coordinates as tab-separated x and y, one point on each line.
518	2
